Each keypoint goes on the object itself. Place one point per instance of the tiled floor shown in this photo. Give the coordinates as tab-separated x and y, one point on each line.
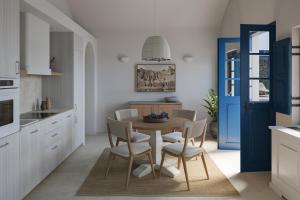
63	183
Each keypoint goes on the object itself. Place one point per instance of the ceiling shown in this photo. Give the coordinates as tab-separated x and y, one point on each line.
102	15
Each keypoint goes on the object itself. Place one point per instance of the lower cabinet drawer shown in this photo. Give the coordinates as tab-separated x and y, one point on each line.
51	158
52	137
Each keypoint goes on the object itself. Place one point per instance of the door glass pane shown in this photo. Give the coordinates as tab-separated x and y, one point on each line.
259	41
232	87
232	69
232	51
259	66
259	90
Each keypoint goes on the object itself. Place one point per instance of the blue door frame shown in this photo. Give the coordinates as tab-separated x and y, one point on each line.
229	94
256	116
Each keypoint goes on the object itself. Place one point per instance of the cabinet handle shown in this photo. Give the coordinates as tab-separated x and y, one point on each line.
35	131
17	67
54	135
55	122
4	145
55	147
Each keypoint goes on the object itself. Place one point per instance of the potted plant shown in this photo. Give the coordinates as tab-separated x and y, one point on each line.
211	104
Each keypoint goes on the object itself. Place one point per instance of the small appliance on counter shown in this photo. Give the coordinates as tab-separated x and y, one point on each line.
47	104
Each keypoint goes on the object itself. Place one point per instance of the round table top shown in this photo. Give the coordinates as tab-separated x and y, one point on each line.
172	123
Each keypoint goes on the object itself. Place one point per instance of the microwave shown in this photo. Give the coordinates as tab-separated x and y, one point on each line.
9	106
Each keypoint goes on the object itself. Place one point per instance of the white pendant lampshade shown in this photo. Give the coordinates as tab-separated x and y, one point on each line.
156	48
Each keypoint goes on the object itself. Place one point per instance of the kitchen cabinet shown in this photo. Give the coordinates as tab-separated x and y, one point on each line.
43	146
51	158
285	162
35	45
9	167
146	107
30	157
9	38
67	134
79	93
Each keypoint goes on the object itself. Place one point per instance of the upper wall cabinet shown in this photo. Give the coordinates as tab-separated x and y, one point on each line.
35	45
9	38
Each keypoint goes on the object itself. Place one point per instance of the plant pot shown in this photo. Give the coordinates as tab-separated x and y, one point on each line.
214	129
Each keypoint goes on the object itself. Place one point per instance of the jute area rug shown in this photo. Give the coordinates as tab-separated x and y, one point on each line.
114	185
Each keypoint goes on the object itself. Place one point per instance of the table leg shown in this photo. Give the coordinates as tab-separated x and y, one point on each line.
156	143
168	169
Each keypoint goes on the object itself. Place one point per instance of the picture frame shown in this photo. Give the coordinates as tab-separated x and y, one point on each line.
155	78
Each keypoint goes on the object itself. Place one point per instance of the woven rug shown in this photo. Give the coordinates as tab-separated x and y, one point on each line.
114	185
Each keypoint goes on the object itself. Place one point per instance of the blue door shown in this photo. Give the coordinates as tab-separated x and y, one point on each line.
229	93
256	96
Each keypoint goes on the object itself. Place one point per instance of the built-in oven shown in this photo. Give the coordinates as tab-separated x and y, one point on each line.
9	106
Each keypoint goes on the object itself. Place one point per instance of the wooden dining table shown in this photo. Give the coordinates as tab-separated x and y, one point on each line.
155	130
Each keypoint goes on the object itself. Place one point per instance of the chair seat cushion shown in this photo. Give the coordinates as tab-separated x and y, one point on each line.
137	148
177	148
173	137
139	137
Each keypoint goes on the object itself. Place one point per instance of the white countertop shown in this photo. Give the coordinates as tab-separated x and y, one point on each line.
288	131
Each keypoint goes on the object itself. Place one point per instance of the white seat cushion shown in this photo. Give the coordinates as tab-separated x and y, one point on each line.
177	148
173	137
137	148
139	137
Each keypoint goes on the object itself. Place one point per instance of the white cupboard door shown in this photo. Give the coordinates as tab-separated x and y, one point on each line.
9	38
3	174
79	118
67	135
13	167
35	47
9	168
30	160
51	158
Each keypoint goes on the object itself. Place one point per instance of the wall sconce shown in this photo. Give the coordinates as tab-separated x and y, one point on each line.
187	58
124	59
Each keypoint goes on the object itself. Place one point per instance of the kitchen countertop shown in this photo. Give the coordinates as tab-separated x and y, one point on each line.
27	122
288	131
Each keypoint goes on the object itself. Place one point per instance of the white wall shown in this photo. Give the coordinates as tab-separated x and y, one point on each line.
30	91
285	13
246	12
117	81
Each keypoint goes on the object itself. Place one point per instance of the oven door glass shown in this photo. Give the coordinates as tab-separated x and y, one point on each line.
6	112
9	112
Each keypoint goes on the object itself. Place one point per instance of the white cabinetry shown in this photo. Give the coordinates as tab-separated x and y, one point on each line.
9	38
286	162
30	161
43	146
35	45
68	134
79	94
9	167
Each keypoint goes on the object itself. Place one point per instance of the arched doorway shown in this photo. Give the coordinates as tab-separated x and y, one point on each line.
90	114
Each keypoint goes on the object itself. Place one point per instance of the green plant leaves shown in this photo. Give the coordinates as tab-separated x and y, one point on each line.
211	104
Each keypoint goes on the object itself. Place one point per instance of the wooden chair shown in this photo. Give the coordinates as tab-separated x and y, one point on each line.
128	151
135	136
185	151
176	136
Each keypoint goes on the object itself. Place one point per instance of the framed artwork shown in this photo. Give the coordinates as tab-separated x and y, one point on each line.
156	78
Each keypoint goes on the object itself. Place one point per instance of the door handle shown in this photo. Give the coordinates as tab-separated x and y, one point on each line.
33	132
4	145
17	66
